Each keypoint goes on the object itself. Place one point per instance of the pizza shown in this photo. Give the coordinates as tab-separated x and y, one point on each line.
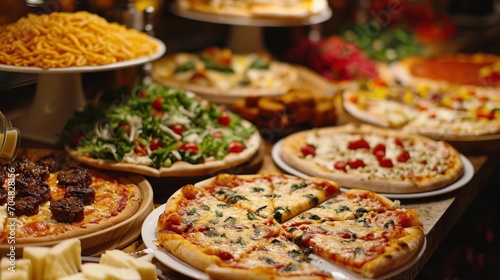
477	70
45	197
372	158
158	131
219	71
277	226
257	9
439	112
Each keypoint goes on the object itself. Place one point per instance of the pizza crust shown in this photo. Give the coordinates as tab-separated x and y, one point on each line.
292	144
178	169
399	252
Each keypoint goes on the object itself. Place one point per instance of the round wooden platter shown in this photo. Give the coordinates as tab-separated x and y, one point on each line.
164	187
116	236
467	145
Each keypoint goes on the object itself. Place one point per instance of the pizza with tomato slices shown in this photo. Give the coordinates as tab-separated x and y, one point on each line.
158	131
371	158
276	226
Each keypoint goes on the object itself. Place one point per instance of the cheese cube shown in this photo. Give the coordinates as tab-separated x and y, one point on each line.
96	271
19	269
37	255
116	258
77	276
63	259
146	269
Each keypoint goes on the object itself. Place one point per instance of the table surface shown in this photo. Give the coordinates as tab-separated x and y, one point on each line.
438	214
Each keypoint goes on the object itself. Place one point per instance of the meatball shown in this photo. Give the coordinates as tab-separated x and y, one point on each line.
74	176
67	210
86	194
26	205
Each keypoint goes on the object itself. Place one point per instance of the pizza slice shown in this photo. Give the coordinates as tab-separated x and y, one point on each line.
370	245
292	195
202	231
251	193
348	205
275	259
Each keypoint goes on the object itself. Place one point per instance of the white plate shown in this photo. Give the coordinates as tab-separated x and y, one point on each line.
81	69
466	177
149	236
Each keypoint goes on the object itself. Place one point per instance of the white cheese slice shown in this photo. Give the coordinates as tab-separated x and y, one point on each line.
116	258
76	276
37	255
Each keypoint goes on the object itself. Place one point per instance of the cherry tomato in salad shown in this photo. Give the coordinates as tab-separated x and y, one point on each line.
77	138
177	128
224	119
140	150
157	103
236	147
155	144
189	147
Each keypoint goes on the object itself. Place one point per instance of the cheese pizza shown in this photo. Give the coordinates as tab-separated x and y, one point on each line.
376	159
233	227
51	198
158	131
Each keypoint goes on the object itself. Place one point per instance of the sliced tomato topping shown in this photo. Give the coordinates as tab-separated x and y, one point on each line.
189	147
340	165
358	144
385	162
356	163
308	149
399	142
379	150
236	147
224	119
403	157
177	128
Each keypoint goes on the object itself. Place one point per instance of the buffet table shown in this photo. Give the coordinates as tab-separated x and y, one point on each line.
439	214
